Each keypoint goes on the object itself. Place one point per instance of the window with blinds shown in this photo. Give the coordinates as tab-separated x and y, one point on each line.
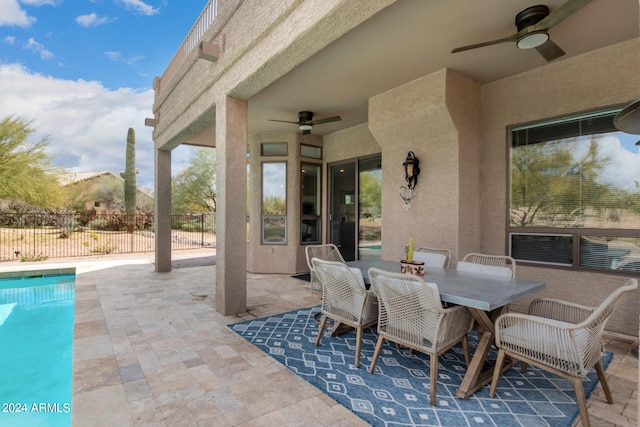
575	193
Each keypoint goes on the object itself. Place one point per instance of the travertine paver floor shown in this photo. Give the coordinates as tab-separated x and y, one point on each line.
150	350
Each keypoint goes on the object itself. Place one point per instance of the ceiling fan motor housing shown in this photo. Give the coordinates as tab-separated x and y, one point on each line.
305	116
531	16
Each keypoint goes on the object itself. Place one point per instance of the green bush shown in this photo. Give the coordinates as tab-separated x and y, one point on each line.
191	226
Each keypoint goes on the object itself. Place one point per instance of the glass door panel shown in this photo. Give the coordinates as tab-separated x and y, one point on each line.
343	213
370	208
355	222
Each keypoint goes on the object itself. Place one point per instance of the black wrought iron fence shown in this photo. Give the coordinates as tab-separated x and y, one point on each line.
39	236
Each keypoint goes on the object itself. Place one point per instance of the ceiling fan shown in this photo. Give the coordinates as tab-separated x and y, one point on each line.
533	24
306	123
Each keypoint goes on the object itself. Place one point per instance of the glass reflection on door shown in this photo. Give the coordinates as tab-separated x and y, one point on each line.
369	208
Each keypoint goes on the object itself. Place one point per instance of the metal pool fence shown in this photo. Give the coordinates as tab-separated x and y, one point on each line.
36	237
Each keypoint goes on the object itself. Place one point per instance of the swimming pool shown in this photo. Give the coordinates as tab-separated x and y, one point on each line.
36	347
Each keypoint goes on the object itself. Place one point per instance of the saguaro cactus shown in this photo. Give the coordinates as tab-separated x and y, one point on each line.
130	181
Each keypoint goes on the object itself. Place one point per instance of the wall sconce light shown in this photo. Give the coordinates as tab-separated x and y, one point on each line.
411	172
411	169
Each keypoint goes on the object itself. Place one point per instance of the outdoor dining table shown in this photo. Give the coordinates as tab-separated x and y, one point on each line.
485	296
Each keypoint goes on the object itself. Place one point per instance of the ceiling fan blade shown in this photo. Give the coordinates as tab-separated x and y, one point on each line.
511	38
283	121
327	120
560	14
550	51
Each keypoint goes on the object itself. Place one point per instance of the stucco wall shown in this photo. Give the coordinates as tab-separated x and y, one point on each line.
417	117
260	42
588	82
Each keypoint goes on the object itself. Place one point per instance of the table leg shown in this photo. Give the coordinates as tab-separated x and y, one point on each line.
472	378
475	378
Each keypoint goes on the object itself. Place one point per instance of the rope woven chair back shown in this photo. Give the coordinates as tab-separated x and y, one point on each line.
408	307
328	252
342	295
433	257
410	314
496	265
344	300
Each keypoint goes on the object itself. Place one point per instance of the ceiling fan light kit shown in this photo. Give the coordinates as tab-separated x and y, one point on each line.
532	40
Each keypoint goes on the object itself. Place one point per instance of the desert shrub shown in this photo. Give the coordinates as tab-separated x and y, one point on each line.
100	245
30	258
97	224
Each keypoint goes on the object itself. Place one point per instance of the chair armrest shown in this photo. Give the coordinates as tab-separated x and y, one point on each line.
563	345
556	309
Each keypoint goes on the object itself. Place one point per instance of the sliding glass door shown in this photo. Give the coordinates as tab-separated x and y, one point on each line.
355	218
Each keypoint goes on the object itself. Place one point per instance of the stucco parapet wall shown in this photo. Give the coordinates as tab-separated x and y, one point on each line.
262	41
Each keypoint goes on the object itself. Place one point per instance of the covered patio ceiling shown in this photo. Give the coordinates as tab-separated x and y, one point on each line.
413	38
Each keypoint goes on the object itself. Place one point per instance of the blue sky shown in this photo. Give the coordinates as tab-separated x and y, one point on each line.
82	70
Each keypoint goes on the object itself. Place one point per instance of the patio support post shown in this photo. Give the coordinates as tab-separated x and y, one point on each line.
162	211
231	206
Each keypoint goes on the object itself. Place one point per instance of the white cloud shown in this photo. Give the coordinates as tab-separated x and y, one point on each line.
42	2
13	15
117	56
138	7
9	40
86	123
36	47
92	20
623	169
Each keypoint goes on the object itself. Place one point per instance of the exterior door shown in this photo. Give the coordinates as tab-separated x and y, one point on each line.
343	214
355	189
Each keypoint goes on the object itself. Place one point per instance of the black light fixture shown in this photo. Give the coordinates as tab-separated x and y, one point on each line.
411	169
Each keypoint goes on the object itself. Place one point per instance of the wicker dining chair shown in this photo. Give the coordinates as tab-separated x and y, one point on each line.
496	265
328	252
559	337
345	299
433	257
410	314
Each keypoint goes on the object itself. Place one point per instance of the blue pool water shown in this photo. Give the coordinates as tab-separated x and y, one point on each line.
36	348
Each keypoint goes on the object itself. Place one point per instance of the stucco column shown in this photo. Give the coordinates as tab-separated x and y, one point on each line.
231	206
163	210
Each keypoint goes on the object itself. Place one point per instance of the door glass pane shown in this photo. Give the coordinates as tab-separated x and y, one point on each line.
311	196
343	209
370	208
311	151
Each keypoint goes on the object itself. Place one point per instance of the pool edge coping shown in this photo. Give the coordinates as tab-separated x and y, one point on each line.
39	272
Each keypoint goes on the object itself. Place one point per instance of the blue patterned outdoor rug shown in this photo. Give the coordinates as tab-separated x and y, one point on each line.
397	394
